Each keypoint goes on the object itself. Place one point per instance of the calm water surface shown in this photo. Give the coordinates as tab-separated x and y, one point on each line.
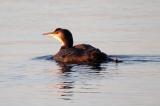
127	29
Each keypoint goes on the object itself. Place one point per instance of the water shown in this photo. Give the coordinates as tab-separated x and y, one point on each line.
126	29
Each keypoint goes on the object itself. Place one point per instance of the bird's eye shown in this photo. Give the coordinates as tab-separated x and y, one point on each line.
56	32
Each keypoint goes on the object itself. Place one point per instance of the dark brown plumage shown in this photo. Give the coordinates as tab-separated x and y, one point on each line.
82	53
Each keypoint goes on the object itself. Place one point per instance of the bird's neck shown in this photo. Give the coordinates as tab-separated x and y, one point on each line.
65	46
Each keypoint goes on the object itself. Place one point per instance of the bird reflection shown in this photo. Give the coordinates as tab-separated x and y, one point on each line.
65	68
96	67
65	90
65	86
67	77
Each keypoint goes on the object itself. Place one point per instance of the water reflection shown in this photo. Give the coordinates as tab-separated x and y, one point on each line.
65	90
69	74
65	68
97	67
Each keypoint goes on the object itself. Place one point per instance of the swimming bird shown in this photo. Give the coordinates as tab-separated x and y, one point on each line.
81	53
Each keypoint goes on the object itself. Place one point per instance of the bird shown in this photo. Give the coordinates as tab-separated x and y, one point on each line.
76	54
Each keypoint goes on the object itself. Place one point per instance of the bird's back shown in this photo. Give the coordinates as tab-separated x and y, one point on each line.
79	54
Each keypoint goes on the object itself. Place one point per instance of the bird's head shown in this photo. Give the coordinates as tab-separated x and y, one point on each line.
64	36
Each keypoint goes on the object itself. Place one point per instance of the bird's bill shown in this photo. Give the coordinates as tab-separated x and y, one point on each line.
48	33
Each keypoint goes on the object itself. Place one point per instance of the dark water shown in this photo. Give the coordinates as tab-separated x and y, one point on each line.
125	29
